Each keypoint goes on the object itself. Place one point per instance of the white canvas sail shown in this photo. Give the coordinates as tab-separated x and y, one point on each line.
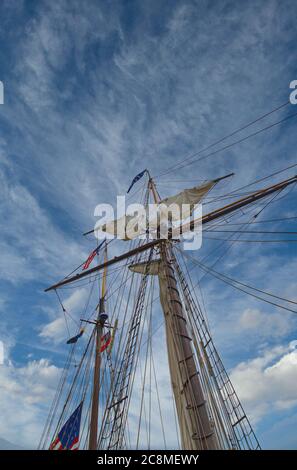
186	200
177	207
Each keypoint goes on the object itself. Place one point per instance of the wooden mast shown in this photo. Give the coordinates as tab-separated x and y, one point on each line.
197	431
96	379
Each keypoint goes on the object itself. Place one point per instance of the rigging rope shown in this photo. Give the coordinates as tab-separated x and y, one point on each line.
232	282
187	161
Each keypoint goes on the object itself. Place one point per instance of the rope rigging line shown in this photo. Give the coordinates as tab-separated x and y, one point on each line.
233	282
265	221
264	178
58	397
241	283
240	240
147	356
53	409
157	391
72	388
141	302
189	158
236	192
231	243
252	231
217	383
116	415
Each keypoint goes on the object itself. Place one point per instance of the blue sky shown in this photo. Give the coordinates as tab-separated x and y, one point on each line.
94	93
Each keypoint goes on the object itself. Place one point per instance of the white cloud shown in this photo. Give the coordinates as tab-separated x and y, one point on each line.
239	321
264	324
25	394
267	383
56	331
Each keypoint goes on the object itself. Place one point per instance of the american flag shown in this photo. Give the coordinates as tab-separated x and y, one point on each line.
92	256
68	437
105	341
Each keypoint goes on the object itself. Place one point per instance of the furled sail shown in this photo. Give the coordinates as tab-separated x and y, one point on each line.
186	200
123	228
179	207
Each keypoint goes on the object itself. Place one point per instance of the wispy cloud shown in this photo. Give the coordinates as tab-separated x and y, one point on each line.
95	93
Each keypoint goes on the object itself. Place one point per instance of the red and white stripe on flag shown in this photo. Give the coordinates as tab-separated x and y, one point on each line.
105	341
90	259
57	445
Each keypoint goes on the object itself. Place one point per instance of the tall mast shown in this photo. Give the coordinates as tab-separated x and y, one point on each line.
96	379
197	431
